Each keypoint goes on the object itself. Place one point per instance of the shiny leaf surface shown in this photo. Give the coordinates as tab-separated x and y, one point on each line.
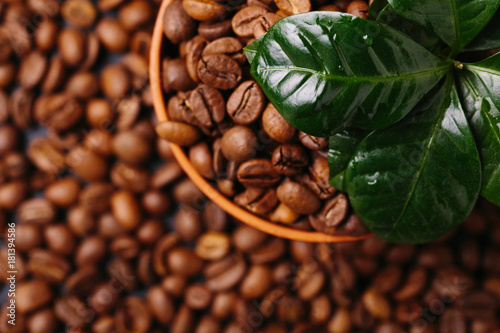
389	16
479	86
420	178
489	38
456	22
325	71
252	48
341	148
376	7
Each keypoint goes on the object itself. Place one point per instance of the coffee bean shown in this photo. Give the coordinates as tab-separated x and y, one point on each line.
246	239
414	285
246	103
46	35
122	274
244	20
293	6
161	305
208	324
80	220
197	297
20	108
32	69
226	45
103	298
225	273
125	209
58	111
299	198
83	85
37	211
48	266
42	321
63	193
93	49
358	8
135	14
219	71
331	216
376	304
28	237
309	281
8	73
115	81
184	262
452	320
86	163
125	247
264	23
268	252
32	295
177	24
178	133
452	282
175	75
80	13
82	281
478	305
131	147
54	75
112	34
289	159
256	282
4	101
239	144
9	139
59	239
276	126
204	10
183	320
257	173
133	315
207	106
212	246
107	5
215	29
72	46
257	200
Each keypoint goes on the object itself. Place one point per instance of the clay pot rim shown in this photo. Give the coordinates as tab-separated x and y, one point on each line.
207	189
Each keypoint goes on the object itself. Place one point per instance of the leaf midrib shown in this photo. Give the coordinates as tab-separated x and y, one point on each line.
427	72
419	174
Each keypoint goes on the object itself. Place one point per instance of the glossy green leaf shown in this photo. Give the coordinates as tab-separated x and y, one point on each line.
417	180
479	86
389	16
252	48
456	22
376	7
325	71
489	38
341	148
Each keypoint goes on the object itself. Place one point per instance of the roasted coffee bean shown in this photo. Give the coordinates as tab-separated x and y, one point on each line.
59	111
46	35
226	45
244	21
161	305
212	246
478	305
4	101
131	147
376	304
122	274
293	6
201	159
103	298
256	282
82	281
187	223
28	237
224	274
32	69
183	320
125	209
239	144
184	262
309	281
257	200
177	24
125	246
270	251
48	266
246	239
175	76
133	315
331	216
99	141
8	73
83	85
289	159
204	10
93	49
414	285
197	297
135	14
36	211
246	103
42	321
63	193
32	295
59	239
178	133
86	164
219	71
358	8
207	106
299	198
312	142
115	81
72	46
9	138
263	24
20	108
80	220
276	126
90	251
257	172
55	74
452	320
80	13
130	177
318	178
215	29
107	5
112	34
194	52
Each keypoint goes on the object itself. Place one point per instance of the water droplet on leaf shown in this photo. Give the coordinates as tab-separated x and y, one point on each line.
368	40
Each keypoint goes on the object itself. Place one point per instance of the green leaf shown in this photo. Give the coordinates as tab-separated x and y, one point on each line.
417	180
325	71
251	49
338	182
376	7
389	16
479	86
341	148
456	22
489	38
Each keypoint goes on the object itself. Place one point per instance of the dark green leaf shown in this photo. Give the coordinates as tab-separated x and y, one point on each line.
341	148
456	22
479	86
489	38
420	178
338	182
376	7
389	16
324	71
252	48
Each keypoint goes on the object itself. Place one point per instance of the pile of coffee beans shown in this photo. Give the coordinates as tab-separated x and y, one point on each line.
233	136
111	237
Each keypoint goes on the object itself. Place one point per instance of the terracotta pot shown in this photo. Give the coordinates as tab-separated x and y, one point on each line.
212	193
